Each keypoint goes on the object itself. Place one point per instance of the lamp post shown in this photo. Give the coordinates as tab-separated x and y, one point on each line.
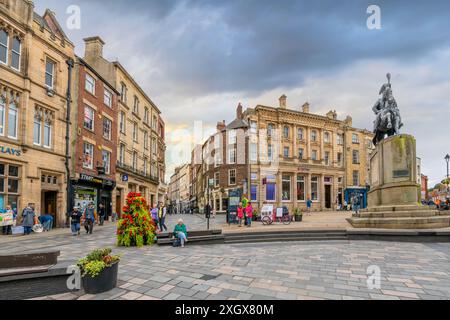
447	159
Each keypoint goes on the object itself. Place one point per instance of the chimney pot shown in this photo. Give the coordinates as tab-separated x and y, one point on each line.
305	108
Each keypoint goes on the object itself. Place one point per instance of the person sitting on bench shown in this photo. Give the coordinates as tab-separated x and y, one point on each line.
180	232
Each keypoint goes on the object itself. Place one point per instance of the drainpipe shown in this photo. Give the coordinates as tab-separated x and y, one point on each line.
70	65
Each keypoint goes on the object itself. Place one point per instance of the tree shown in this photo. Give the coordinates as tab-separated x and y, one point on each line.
136	226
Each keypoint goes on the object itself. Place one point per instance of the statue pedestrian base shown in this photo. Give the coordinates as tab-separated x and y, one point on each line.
394	197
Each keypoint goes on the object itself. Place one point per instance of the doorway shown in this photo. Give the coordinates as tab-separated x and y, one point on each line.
49	205
328	196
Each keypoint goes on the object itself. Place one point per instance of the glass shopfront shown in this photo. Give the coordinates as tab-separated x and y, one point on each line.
84	196
9	186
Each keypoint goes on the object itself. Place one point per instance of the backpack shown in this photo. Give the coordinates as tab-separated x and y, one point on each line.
176	242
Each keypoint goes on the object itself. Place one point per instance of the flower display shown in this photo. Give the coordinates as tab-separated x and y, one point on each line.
136	227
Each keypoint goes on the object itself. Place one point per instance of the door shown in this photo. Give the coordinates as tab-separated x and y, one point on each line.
50	205
328	196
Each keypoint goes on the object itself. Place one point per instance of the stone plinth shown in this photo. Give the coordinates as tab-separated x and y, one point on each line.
394	196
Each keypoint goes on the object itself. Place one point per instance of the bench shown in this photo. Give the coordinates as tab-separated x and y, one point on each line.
194	237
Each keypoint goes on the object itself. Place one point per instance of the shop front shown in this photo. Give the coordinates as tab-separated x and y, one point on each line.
359	192
93	189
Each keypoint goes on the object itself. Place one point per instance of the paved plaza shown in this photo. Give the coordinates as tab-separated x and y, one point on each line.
293	270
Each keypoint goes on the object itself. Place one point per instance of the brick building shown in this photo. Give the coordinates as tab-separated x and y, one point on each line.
94	138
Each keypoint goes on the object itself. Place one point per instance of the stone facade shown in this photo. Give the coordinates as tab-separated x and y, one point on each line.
33	110
179	196
296	155
141	146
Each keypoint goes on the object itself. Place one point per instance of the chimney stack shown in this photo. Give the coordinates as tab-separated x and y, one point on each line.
283	101
93	47
239	113
221	126
305	108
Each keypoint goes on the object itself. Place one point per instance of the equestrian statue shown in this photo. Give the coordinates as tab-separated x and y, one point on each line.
388	120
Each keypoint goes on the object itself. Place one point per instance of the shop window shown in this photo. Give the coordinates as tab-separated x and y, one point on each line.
89	118
301	191
270	191
9	185
286	188
315	188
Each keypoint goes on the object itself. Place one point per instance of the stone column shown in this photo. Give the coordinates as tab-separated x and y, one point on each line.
279	188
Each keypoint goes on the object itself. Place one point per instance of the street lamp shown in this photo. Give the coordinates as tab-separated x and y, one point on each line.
447	159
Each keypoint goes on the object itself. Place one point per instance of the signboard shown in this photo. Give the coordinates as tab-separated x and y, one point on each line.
125	178
96	180
6	219
233	202
10	151
267	210
279	212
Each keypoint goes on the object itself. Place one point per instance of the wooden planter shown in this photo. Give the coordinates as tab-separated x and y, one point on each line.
105	281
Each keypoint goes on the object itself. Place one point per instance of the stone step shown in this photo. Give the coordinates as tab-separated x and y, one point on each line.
285	236
285	239
194	233
399	214
31	259
402	223
398	208
210	239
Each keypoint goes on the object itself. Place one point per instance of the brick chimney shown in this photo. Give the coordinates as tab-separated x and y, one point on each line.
283	101
221	125
305	108
93	47
239	113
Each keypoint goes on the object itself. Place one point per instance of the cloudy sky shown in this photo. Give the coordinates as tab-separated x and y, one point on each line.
198	59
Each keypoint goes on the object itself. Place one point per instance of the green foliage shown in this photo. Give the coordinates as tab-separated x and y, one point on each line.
297	212
136	228
96	261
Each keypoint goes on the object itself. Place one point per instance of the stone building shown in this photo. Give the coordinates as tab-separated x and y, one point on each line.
34	72
224	162
179	196
296	155
94	138
141	145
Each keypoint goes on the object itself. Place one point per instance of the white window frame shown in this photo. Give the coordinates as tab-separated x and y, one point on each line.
355	160
86	107
106	165
122	124
286	132
146	144
87	81
253	126
52	75
232	136
355	138
15	52
216	179
326	157
253	152
326	137
109	136
14	108
229	177
49	126
135	160
288	152
107	98
290	188
301	179
3	111
122	153
135	132
315	180
314	152
232	156
300	134
91	164
37	123
314	135
7	47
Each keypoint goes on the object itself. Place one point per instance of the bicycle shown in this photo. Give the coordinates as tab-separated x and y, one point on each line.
285	219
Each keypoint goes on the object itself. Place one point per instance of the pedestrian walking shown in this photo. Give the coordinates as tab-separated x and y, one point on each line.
75	219
180	232
240	214
308	207
162	218
89	218
28	218
355	204
249	214
154	213
101	214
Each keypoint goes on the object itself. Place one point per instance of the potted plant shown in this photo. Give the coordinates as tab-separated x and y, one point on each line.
298	215
99	271
255	215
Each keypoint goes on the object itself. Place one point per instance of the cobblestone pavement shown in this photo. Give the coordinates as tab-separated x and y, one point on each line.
299	270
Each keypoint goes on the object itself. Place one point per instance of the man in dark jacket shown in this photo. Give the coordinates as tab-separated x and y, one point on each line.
75	217
101	213
89	218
